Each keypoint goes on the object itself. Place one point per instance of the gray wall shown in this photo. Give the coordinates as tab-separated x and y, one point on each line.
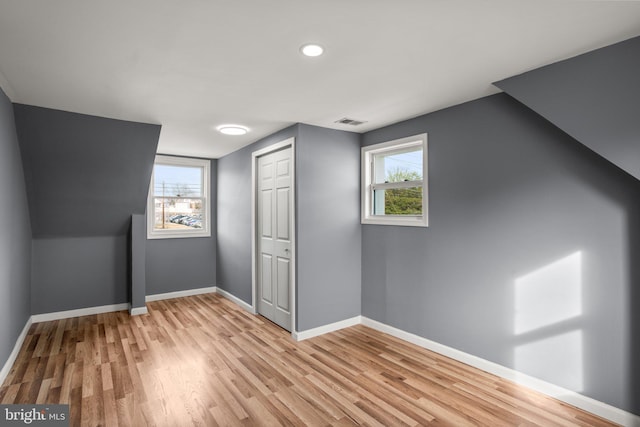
510	194
328	226
182	264
234	216
593	97
137	255
15	235
78	272
328	237
85	177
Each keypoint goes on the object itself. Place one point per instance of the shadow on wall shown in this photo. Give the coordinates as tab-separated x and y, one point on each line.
634	306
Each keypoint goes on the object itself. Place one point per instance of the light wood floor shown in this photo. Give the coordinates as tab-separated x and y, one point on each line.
204	361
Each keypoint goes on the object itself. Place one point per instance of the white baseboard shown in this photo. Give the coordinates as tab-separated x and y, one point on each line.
138	311
180	294
237	300
16	349
321	330
46	317
580	401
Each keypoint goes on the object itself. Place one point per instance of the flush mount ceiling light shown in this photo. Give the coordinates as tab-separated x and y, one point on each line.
311	49
232	129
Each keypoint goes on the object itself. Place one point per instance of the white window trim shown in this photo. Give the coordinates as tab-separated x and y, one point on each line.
181	234
366	183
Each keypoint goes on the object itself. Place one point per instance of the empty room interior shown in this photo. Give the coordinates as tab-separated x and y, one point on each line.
320	213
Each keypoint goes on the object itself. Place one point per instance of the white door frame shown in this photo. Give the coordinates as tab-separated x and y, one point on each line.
290	142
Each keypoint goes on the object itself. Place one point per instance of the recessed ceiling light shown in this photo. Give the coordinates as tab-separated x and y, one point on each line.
232	129
312	49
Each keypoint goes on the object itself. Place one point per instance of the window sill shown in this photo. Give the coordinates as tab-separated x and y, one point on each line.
403	222
174	235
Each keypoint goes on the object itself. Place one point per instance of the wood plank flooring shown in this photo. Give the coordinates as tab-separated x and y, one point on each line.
204	361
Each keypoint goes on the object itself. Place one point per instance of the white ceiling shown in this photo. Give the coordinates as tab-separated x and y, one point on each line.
191	65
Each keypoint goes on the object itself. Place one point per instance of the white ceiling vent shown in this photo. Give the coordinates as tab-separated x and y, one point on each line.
351	122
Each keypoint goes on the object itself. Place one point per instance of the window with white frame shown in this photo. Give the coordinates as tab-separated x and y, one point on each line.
179	204
394	182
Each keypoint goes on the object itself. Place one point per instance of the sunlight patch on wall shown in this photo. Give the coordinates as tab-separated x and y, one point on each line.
557	359
549	295
550	348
